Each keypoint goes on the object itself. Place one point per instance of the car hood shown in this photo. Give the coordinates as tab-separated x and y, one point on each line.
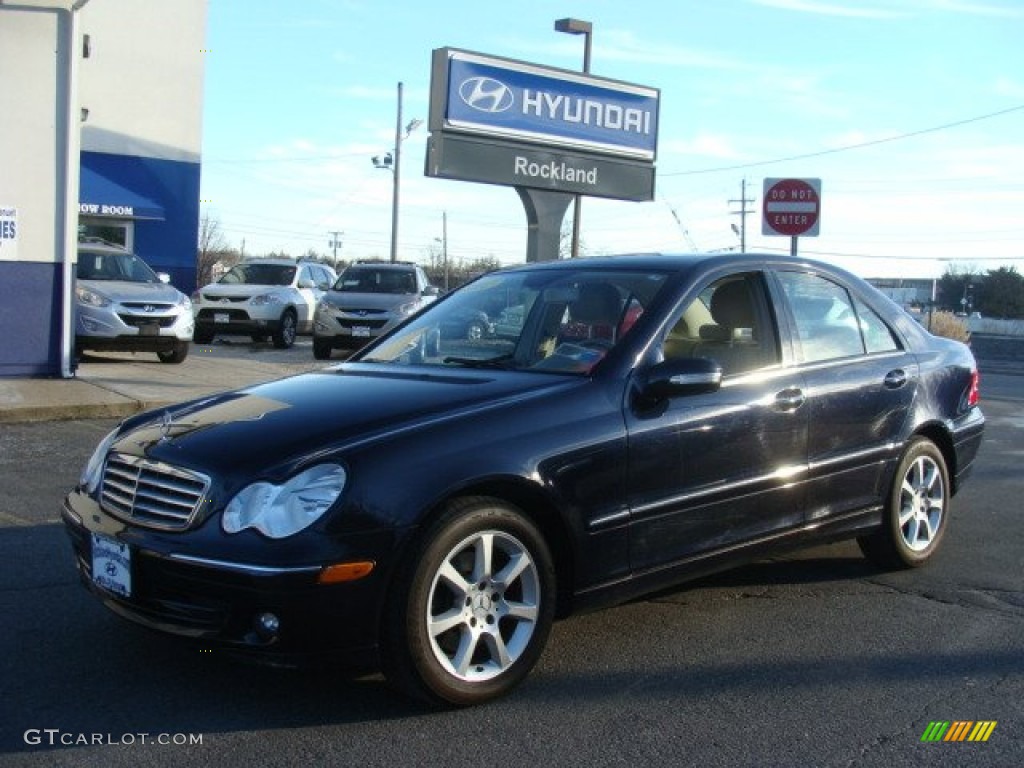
355	300
276	426
126	290
238	290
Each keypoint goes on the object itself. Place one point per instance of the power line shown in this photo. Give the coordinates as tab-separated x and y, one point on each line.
847	148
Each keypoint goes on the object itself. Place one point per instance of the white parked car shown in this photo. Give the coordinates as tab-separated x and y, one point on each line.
261	298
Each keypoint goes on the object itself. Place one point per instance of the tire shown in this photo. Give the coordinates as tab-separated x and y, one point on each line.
176	355
916	513
202	336
321	349
472	608
284	334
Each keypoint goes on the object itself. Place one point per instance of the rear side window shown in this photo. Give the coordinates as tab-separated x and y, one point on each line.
826	322
830	323
878	337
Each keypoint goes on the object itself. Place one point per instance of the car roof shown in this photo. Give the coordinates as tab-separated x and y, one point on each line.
689	262
403	265
96	245
282	262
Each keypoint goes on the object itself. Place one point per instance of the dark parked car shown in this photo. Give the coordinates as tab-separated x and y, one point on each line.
433	504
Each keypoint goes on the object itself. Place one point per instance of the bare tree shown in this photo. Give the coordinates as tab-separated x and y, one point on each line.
213	249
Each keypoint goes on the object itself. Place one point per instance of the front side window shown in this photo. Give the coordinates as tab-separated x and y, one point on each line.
827	327
727	322
561	321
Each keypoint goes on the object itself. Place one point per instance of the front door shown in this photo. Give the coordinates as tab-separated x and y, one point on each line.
710	471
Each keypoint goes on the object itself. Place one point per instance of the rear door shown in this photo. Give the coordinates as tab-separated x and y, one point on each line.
860	384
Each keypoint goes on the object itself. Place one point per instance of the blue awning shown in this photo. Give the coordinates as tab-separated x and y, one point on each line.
100	196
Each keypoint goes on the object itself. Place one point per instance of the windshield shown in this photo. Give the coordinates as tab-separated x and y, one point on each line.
376	280
126	267
260	274
561	321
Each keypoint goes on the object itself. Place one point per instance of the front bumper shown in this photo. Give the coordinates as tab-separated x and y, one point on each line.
122	329
342	329
220	601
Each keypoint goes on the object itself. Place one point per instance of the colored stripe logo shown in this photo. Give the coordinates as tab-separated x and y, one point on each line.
959	730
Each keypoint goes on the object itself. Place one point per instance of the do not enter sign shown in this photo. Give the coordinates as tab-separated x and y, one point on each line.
792	207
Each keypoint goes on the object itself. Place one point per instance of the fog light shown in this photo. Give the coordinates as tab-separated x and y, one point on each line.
268	624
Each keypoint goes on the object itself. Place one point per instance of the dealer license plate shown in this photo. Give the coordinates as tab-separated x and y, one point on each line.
111	565
360	330
149	330
221	317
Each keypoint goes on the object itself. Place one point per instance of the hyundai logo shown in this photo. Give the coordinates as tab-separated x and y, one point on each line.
486	94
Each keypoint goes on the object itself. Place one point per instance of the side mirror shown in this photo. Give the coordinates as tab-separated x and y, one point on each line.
163	277
305	283
431	290
678	377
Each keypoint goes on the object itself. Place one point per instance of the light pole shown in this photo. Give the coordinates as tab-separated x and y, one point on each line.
585	28
394	164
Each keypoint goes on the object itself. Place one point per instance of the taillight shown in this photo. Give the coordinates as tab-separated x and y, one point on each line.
973	393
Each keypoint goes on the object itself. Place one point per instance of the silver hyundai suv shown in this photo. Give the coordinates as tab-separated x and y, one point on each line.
369	298
261	298
123	305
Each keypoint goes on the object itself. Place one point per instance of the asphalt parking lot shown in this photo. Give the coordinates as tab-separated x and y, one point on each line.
814	659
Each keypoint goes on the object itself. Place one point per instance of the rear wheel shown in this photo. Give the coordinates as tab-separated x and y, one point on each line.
284	335
175	355
472	610
917	511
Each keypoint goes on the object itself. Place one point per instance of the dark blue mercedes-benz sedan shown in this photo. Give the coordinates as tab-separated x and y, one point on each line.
431	505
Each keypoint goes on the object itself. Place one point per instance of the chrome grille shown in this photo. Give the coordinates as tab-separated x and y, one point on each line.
150	493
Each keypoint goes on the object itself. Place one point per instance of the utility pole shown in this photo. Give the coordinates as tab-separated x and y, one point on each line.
444	246
335	244
742	213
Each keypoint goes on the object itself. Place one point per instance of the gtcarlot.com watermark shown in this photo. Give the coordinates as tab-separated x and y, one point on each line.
55	737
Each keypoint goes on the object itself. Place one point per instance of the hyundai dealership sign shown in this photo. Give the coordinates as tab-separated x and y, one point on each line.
509	122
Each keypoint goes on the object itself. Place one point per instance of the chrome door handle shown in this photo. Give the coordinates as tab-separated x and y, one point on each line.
895	379
789	399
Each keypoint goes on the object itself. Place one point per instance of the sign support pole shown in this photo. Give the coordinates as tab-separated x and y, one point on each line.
792	245
545	211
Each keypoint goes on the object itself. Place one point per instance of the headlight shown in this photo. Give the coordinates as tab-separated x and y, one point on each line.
186	303
265	298
408	308
278	511
90	478
92	298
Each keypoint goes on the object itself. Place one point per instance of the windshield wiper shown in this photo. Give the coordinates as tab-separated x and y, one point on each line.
480	362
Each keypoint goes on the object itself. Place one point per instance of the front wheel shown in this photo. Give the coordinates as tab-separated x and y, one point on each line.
176	354
202	336
284	335
322	349
472	611
916	514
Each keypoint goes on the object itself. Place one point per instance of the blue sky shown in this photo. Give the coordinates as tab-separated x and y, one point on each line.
911	112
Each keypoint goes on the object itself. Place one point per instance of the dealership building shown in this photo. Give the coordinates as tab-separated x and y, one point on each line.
100	137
